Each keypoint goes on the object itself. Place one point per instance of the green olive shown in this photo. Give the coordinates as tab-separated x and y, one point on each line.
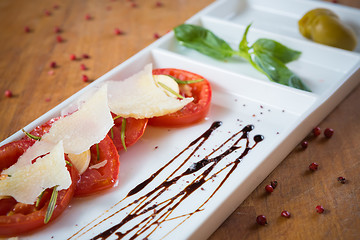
324	26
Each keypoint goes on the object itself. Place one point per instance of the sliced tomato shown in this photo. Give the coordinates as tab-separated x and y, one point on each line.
135	128
192	112
95	178
9	153
18	218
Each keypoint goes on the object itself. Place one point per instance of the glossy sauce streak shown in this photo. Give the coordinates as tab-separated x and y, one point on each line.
151	209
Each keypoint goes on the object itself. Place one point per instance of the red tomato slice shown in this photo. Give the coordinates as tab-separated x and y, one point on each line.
94	180
18	218
192	112
9	153
135	128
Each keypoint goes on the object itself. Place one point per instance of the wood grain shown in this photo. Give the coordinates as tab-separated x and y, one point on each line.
37	88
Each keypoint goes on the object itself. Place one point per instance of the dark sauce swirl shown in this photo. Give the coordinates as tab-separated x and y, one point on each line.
203	171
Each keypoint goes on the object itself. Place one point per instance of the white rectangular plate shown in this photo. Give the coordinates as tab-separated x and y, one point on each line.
189	204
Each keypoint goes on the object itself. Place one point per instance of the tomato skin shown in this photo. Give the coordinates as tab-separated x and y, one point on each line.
135	128
193	112
18	218
94	180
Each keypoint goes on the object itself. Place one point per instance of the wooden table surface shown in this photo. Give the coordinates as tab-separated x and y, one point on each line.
88	27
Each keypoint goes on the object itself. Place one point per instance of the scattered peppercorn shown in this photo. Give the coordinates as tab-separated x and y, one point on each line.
320	209
304	144
88	17
328	132
83	67
85	78
269	188
261	220
72	57
316	131
313	166
57	29
85	56
118	31
285	214
341	180
159	4
47	13
53	64
156	36
27	29
59	39
8	94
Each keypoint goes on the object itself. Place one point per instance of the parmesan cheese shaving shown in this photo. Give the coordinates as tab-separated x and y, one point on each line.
47	172
85	127
139	97
98	165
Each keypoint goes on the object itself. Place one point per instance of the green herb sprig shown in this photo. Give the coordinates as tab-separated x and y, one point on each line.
51	206
266	55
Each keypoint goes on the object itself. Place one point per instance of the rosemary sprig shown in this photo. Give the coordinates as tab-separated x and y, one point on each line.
51	205
178	81
31	136
97	152
170	90
123	128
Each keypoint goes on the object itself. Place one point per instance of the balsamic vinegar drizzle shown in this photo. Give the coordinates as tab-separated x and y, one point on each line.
151	213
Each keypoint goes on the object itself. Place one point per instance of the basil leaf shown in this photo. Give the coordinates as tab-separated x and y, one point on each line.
276	50
203	40
277	71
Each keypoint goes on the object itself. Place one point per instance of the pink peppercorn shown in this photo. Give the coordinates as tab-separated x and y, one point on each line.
285	214
27	29
156	35
118	31
59	39
83	67
85	78
8	94
53	64
320	209
47	13
88	17
328	132
316	131
313	166
85	56
57	29
72	57
159	4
